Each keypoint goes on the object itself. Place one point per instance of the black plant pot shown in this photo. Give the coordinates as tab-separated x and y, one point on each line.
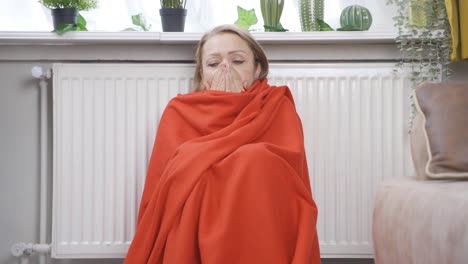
64	16
173	19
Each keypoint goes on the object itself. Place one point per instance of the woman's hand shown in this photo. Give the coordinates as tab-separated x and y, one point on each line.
227	79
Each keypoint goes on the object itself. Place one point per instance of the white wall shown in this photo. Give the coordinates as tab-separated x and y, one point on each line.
18	157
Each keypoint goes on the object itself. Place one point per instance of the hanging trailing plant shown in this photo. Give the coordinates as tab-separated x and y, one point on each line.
423	39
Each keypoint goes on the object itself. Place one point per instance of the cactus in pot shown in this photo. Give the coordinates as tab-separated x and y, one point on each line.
311	14
271	13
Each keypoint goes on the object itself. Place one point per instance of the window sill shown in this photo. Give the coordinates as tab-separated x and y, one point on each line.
152	38
179	47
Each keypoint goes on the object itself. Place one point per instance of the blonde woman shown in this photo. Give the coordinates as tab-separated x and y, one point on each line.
228	180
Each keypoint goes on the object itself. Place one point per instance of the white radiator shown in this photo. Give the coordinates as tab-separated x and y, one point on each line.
105	119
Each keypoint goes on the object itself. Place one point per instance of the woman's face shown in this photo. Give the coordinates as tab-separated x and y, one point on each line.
229	50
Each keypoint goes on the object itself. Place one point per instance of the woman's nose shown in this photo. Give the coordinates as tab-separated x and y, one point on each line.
225	64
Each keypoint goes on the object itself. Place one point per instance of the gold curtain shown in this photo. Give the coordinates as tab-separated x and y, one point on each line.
457	11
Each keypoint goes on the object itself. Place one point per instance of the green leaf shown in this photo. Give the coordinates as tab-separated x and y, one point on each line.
137	20
63	28
81	21
140	21
324	26
246	18
81	24
347	28
278	28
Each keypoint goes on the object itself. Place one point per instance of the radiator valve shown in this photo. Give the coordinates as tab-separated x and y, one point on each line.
21	249
41	73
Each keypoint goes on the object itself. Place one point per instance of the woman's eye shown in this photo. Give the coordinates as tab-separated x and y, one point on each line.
213	64
237	62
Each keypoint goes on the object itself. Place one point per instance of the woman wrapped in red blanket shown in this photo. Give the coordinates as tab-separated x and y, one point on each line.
228	180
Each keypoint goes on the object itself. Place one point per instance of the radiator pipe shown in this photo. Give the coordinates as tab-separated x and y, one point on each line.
21	249
44	161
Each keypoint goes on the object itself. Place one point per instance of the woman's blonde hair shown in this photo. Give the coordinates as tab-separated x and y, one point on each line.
259	54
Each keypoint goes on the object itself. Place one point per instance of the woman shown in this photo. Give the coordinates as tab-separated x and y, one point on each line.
228	181
229	59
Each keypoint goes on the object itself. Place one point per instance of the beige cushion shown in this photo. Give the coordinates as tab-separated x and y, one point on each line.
439	138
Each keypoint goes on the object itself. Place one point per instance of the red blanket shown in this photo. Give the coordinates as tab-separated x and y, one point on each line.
228	183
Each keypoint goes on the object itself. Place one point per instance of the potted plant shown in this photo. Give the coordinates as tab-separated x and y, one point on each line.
355	18
173	15
311	16
271	13
65	13
424	41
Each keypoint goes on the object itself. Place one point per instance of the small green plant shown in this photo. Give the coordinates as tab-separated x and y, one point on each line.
139	23
246	18
173	3
424	41
80	5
